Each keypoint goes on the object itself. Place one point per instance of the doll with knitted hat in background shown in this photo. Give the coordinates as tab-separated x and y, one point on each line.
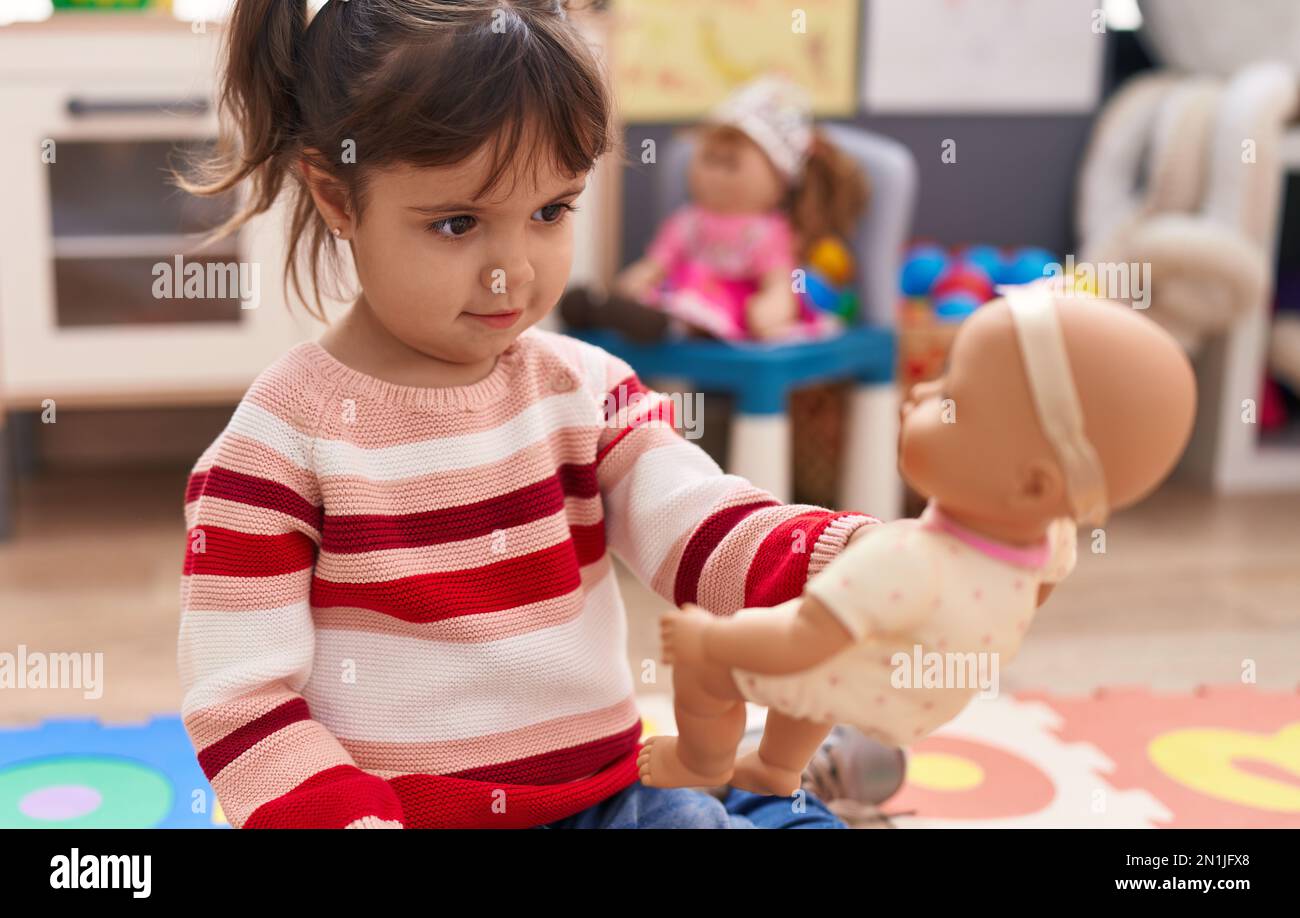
1054	410
766	189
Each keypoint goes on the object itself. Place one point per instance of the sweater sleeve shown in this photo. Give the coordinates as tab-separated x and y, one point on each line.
686	529
253	516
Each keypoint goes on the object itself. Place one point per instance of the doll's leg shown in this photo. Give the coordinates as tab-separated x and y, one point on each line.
776	767
710	714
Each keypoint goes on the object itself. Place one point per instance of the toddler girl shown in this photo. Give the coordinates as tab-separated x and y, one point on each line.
399	605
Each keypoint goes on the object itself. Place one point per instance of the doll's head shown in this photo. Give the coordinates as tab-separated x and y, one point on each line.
439	143
730	174
975	441
759	151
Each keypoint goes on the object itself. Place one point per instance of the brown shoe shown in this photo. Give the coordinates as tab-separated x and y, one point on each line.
638	322
579	309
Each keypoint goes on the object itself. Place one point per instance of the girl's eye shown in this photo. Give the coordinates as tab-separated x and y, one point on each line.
452	227
554	213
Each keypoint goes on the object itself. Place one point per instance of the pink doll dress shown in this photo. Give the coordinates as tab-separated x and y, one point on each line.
714	262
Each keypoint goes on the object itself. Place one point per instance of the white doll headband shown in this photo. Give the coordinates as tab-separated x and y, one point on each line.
1042	347
776	114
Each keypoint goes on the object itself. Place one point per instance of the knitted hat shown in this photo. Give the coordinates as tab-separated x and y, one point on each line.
777	115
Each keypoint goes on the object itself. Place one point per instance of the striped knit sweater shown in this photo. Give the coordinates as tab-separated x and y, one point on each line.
398	603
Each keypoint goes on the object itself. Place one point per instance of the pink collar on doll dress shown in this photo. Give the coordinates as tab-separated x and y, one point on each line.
1032	556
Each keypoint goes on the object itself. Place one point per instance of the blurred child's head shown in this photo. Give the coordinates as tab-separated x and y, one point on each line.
443	140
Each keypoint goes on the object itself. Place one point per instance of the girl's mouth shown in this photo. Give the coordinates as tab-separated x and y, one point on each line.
498	319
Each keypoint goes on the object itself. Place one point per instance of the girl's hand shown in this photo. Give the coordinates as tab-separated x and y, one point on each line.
681	634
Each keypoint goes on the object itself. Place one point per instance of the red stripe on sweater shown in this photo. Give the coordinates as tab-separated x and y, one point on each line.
234	744
225	553
254	491
433	597
589	542
376	532
329	799
442	802
559	765
630	413
780	568
622	393
703	541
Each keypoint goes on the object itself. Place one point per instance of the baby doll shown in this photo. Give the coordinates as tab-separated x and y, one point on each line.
765	187
1053	410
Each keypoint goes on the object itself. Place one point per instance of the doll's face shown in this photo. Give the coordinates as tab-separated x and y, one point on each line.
971	438
730	174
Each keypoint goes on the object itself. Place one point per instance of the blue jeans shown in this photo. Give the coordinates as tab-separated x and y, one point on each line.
641	807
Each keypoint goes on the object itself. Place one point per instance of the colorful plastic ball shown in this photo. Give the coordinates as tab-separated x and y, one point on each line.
987	258
955	306
964	278
832	260
820	292
921	268
848	306
1026	265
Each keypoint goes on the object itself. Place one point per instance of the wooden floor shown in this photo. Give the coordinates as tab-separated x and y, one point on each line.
1189	588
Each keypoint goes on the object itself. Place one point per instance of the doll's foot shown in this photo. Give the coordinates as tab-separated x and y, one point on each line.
579	309
659	766
755	775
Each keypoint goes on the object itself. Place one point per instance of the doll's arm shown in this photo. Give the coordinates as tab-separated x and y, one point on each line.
639	278
772	308
793	637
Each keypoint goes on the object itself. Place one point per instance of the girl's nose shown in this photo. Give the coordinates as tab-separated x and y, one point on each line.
509	274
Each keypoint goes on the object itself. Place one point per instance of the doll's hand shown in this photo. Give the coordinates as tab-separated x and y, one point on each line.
681	634
638	279
771	312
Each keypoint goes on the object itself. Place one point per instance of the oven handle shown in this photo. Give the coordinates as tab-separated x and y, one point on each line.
192	107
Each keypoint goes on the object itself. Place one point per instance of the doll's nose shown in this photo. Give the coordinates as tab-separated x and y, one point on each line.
918	392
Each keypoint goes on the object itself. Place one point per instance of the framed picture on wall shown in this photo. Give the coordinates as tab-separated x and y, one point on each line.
676	59
983	56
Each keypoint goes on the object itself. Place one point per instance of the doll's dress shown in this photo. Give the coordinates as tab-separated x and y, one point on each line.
954	604
715	261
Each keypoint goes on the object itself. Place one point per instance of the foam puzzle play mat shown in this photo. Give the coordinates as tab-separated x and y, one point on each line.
1215	757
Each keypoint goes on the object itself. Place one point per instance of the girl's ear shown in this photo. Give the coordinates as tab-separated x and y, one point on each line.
329	195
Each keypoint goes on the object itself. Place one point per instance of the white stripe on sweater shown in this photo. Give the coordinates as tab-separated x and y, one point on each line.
535	423
667	492
223	655
414	691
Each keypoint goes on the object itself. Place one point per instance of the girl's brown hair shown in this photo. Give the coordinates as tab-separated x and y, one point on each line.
373	83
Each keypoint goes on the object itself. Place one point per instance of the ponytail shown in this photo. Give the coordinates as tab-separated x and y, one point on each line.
258	93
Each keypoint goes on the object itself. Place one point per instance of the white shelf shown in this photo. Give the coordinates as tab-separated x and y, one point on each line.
138	246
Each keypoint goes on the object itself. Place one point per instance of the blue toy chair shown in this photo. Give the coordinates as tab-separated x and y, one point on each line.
762	375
